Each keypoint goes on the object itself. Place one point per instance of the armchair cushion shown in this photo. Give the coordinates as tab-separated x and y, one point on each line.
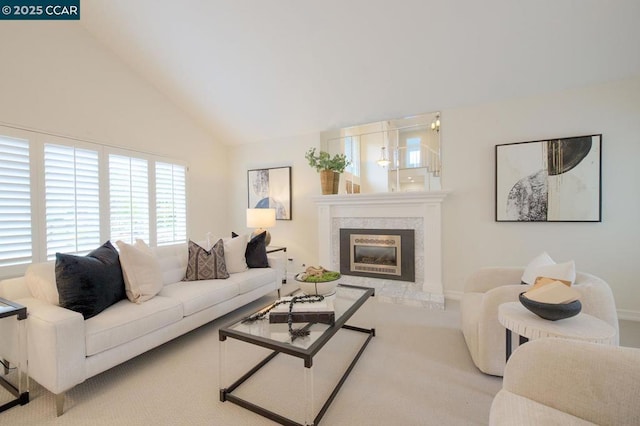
511	409
531	270
543	266
557	381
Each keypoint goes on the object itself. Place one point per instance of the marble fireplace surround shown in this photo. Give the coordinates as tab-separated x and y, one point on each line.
420	211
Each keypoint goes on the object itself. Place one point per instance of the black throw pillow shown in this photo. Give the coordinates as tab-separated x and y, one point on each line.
90	284
256	252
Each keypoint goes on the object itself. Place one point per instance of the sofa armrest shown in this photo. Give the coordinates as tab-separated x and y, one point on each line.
598	383
485	279
14	288
55	345
279	263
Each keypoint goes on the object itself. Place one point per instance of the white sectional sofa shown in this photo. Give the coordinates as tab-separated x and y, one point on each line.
64	349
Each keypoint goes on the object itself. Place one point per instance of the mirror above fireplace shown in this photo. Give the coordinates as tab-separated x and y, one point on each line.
397	155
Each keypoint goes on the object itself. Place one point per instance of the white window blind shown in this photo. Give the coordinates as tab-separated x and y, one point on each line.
72	199
15	202
171	204
128	198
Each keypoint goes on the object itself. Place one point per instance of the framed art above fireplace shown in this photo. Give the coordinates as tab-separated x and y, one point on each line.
553	180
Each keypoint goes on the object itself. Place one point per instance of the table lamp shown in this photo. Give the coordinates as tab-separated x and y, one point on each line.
261	219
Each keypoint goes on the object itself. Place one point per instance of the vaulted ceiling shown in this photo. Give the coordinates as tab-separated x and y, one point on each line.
258	70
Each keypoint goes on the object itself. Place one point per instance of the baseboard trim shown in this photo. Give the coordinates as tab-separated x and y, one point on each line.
628	315
453	294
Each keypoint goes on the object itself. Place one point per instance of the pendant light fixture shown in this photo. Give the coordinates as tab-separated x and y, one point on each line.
384	158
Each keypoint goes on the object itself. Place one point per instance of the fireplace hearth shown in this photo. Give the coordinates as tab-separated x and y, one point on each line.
378	253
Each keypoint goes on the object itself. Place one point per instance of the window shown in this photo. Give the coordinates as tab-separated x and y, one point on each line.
59	194
72	199
171	203
128	198
15	202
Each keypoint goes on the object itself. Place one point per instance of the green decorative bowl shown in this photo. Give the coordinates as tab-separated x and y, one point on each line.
323	288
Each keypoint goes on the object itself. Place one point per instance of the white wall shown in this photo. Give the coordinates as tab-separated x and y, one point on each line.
471	238
299	235
610	249
55	77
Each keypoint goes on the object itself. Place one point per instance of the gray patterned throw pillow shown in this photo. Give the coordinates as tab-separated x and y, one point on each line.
206	265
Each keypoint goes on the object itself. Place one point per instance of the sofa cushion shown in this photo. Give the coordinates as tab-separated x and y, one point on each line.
173	262
205	264
256	253
89	284
234	253
253	278
198	295
141	271
41	281
126	321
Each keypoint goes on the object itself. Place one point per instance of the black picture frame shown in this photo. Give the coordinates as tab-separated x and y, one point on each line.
552	180
270	188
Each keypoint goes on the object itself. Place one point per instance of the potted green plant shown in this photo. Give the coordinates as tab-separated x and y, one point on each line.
329	168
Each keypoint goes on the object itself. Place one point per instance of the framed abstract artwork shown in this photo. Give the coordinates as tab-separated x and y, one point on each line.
270	188
555	180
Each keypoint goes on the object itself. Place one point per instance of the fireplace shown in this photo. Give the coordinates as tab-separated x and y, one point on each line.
378	253
418	211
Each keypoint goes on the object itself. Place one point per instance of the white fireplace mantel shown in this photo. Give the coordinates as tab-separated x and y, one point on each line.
424	205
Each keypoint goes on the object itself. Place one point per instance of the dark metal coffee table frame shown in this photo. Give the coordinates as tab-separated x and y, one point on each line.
306	354
19	391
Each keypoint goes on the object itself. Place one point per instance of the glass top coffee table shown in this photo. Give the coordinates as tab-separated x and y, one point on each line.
276	337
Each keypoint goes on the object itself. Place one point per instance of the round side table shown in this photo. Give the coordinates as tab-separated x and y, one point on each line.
518	319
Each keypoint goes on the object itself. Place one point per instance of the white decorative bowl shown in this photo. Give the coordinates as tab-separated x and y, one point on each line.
326	288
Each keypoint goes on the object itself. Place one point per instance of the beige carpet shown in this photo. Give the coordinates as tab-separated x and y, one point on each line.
416	371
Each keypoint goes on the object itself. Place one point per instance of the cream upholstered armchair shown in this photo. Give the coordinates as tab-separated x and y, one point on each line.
489	287
566	382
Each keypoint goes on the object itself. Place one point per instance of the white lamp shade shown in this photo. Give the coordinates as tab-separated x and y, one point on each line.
261	218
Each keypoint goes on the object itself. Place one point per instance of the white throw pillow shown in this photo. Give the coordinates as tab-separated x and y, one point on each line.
141	271
234	253
41	281
543	266
531	271
560	271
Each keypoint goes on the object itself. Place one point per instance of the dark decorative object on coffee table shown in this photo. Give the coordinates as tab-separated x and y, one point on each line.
551	311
